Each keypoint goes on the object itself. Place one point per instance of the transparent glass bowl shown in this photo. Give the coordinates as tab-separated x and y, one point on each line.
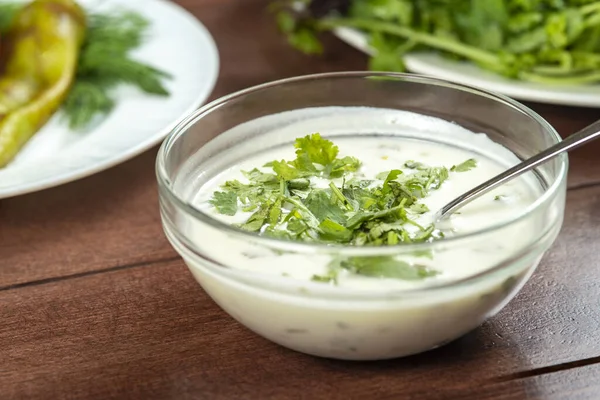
335	322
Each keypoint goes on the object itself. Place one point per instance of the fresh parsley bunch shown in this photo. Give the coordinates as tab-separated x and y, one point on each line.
545	41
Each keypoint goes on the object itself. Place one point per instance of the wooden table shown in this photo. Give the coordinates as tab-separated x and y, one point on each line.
95	304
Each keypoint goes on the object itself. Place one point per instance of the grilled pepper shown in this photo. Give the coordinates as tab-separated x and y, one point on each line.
46	37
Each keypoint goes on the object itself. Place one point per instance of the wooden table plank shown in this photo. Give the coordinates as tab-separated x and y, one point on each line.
573	384
584	167
105	221
151	332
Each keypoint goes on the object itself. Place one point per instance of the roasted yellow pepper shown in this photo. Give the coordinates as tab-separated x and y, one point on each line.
46	37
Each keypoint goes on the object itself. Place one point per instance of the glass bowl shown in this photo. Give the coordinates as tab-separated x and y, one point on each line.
336	322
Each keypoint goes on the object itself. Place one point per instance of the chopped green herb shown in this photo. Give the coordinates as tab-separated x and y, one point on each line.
465	166
105	63
330	277
320	204
386	267
414	165
225	202
285	204
315	156
258	219
552	42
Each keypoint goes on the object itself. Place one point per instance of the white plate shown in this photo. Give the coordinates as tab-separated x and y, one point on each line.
178	44
469	74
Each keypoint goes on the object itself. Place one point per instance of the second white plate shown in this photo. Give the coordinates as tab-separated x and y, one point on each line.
469	74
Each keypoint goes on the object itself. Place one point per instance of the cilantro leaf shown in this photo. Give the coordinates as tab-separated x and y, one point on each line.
316	149
330	277
315	156
320	205
333	232
411	164
394	214
286	171
275	213
465	166
386	267
225	202
258	176
393	174
341	166
257	220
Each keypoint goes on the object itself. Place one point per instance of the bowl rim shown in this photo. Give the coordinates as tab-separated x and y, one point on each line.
165	189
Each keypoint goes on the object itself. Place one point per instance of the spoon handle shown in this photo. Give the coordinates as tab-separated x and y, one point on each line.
585	135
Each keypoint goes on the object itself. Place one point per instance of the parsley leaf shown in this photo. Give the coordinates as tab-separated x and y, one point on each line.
465	166
290	203
386	267
257	220
316	149
315	156
330	277
322	207
225	202
333	232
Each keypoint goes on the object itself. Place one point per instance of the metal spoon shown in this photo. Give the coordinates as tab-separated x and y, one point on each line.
580	138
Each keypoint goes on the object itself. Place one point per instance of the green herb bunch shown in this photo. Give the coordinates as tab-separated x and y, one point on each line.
105	63
287	204
321	198
545	41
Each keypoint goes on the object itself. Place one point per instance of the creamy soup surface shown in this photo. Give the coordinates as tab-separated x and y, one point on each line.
404	137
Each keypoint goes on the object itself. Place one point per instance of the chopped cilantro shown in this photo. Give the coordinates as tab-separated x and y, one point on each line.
330	277
386	267
285	204
316	149
411	164
320	204
315	156
225	202
465	166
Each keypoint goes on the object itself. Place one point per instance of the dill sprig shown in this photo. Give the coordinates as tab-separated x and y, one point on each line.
7	11
105	63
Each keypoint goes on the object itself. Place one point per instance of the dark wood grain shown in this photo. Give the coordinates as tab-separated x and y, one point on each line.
151	332
584	167
573	384
95	304
104	221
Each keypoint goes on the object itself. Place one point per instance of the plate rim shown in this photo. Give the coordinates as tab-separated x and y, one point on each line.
155	138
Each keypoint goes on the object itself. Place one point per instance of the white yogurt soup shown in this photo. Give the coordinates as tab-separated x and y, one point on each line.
275	287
